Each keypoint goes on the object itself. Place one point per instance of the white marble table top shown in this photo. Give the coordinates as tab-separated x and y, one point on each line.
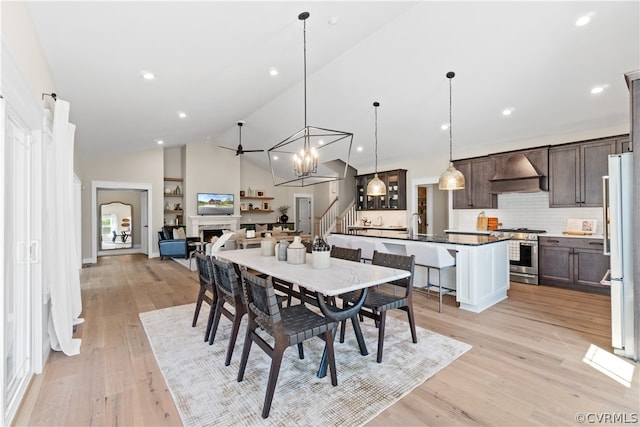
342	276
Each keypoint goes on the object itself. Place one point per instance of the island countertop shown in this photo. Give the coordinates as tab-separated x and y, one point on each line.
452	239
482	262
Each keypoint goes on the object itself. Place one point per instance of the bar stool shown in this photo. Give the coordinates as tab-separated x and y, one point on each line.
434	257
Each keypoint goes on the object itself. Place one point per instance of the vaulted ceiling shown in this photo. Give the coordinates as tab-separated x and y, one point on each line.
212	61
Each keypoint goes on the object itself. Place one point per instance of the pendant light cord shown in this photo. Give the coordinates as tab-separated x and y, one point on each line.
450	75
376	105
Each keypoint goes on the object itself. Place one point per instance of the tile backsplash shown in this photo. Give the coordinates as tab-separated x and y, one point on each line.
529	210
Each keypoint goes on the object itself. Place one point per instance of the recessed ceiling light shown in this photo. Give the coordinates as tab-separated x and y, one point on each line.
273	71
182	115
159	141
507	111
321	142
147	75
275	157
584	19
598	89
360	148
334	20
445	126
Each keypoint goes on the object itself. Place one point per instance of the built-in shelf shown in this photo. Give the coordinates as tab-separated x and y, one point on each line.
255	198
255	211
173	211
173	179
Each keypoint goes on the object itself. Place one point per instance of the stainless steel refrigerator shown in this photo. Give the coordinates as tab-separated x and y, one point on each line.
618	243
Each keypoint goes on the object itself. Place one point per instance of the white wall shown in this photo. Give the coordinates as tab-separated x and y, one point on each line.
138	167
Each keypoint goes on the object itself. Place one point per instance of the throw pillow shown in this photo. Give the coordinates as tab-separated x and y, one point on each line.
213	239
167	234
178	233
261	227
277	229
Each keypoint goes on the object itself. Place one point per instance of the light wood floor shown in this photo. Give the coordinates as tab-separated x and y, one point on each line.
525	367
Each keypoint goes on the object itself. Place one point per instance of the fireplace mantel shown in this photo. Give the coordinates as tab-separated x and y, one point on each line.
198	222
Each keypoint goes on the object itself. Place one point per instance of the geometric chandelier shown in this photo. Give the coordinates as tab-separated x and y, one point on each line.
312	155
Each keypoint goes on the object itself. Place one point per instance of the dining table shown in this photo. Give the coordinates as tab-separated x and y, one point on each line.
340	277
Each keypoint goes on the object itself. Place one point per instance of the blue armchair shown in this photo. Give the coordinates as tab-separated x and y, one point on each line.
175	248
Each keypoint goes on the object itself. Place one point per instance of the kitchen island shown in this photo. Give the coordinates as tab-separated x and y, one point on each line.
482	262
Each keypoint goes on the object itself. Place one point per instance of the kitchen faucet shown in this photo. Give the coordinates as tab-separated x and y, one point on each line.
410	231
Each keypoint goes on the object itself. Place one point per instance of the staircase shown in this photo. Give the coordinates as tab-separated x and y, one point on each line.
333	221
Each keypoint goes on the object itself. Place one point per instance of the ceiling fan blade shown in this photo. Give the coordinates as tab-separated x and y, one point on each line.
253	151
227	148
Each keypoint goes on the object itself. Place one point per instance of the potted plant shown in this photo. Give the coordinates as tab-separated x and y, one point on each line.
283	213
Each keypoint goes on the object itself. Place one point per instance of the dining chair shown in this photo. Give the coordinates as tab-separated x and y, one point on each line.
207	284
346	253
229	292
288	326
379	300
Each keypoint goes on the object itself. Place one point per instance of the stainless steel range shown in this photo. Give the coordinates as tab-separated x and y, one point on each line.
523	254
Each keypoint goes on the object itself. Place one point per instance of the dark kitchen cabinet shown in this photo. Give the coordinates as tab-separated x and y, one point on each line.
396	197
575	263
623	145
576	171
476	194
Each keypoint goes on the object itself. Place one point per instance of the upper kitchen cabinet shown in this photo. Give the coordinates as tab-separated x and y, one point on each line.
576	171
396	197
623	145
477	190
523	171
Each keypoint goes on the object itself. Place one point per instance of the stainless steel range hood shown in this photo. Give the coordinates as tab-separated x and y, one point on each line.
520	172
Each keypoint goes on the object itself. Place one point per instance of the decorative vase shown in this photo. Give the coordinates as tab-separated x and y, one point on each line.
284	218
267	245
296	252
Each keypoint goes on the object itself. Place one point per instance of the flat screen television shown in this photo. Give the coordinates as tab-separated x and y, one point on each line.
215	204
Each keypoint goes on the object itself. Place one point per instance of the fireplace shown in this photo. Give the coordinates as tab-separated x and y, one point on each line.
207	234
211	225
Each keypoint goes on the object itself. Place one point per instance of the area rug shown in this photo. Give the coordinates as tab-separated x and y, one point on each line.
207	393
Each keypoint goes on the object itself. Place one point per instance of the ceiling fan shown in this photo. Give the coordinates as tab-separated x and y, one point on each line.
240	150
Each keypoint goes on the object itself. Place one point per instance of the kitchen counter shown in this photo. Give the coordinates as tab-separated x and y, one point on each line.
482	262
452	239
377	227
573	236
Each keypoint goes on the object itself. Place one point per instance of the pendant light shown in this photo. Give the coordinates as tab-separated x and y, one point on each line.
308	146
452	178
376	187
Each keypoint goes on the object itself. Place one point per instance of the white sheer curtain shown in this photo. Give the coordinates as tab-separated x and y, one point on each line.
63	266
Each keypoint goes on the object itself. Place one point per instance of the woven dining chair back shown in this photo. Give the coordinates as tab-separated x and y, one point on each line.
288	326
207	291
346	253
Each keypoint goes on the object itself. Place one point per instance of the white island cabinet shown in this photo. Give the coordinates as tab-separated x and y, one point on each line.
482	263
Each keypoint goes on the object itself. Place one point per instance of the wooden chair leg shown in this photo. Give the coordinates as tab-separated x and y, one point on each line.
381	324
198	305
212	313
412	323
216	320
232	339
328	338
276	361
245	353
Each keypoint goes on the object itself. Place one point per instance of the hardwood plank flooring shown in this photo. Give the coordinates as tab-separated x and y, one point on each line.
525	367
